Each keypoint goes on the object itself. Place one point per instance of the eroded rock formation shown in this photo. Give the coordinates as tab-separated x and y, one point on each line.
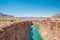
19	31
49	28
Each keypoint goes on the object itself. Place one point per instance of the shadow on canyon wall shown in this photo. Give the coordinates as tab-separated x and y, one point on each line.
19	31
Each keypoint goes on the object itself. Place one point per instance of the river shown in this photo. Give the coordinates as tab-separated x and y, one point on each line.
35	35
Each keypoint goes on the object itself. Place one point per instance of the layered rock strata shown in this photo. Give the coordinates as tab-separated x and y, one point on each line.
19	31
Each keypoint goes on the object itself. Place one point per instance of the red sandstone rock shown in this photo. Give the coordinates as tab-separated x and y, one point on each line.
20	31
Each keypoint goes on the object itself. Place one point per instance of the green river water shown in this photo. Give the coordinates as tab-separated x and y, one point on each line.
35	35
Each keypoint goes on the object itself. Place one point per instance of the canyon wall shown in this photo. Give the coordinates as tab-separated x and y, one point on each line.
19	31
49	28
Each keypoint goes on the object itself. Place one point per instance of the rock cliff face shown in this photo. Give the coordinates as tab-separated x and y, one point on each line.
49	28
19	31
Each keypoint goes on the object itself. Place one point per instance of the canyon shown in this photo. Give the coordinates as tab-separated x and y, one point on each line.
14	28
19	31
49	28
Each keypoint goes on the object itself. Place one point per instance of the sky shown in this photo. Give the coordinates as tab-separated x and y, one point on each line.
30	8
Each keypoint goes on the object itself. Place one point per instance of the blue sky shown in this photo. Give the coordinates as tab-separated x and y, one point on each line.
30	8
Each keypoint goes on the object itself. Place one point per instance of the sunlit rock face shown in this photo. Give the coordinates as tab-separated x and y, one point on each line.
19	31
49	28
